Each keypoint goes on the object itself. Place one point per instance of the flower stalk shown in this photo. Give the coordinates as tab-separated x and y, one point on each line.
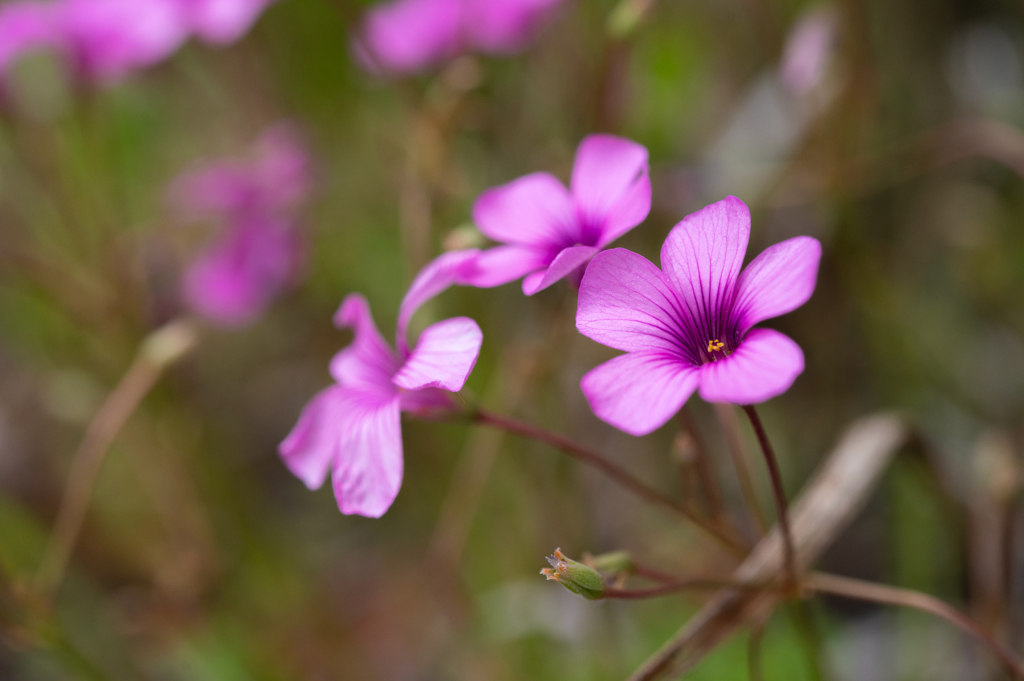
778	494
158	351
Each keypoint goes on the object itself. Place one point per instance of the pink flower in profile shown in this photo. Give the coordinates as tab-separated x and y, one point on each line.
259	250
550	232
352	428
808	51
687	326
405	36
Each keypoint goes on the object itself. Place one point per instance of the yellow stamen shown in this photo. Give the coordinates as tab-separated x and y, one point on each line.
715	345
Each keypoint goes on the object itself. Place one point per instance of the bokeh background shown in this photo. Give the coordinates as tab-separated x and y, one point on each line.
202	558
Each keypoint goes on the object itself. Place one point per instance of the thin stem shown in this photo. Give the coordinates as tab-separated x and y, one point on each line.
714	529
730	428
160	349
704	473
694	584
778	493
888	595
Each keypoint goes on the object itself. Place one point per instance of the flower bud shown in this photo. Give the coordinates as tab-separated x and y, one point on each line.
575	576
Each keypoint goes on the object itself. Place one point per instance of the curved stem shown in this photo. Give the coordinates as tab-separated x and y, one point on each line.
713	528
778	493
160	349
888	595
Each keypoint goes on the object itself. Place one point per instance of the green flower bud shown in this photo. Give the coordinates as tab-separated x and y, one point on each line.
575	576
613	563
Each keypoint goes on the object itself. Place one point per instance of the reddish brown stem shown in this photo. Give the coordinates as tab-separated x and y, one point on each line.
778	493
888	595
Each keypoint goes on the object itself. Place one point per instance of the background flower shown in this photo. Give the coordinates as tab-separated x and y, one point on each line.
259	250
404	36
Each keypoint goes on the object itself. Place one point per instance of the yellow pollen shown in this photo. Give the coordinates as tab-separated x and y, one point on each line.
714	345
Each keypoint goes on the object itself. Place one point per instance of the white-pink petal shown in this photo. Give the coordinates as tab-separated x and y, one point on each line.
626	303
764	365
437	276
779	280
367	471
610	185
444	356
702	257
367	363
565	263
502	264
534	210
311	445
639	391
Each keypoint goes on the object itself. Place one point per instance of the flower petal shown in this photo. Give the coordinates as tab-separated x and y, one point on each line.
627	303
639	391
611	187
26	25
404	36
702	257
367	472
504	26
502	264
779	280
444	356
224	21
565	263
367	363
447	269
764	365
312	443
535	210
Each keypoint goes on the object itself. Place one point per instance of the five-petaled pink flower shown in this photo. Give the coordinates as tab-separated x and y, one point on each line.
405	36
107	39
550	232
352	428
687	326
259	250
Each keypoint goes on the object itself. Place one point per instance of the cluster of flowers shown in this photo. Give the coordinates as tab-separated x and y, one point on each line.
107	39
685	327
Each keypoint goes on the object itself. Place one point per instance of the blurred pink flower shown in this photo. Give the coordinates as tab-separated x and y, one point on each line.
405	36
551	232
222	21
808	51
25	27
107	39
352	428
688	326
259	251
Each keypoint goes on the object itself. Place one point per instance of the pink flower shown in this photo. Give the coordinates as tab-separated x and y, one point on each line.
688	326
259	250
405	36
352	428
808	51
25	27
107	39
551	232
223	21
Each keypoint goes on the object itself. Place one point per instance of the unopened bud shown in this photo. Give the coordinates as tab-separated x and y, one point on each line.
575	576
